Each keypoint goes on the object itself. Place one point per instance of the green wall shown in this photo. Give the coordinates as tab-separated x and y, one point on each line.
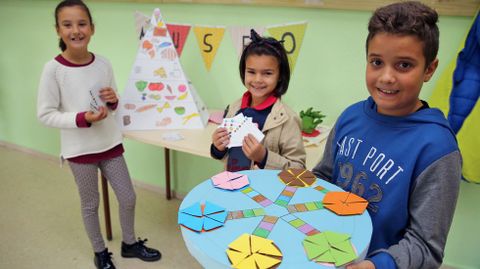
329	75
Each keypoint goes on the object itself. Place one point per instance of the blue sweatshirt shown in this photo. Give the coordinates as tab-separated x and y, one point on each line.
409	169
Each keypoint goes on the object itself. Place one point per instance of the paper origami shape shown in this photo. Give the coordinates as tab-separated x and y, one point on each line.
230	181
194	219
297	177
329	247
344	203
250	251
158	81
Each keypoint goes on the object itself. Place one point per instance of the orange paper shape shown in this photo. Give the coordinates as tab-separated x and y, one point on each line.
297	177
344	203
251	251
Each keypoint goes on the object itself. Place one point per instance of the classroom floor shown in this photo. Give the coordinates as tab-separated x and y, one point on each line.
41	226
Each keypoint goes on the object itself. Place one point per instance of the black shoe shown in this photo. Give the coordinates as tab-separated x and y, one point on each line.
103	260
139	250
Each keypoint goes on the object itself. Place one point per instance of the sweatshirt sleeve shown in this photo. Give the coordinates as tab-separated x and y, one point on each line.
324	169
48	101
432	204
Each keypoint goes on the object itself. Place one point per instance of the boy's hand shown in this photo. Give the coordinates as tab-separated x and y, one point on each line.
252	149
365	264
108	95
91	116
220	139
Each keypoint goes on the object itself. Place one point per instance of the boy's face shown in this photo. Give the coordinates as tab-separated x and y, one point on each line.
395	73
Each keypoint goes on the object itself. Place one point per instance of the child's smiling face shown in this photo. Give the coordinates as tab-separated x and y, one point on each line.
261	76
74	27
395	73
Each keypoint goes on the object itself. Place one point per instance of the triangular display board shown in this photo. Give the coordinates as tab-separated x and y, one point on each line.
158	94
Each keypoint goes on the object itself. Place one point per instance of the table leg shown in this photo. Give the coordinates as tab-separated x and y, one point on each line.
106	208
167	173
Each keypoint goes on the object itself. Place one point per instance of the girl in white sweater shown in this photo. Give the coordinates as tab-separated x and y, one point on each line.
76	94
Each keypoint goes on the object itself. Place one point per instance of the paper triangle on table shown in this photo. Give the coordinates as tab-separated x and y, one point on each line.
190	222
209	224
211	208
242	243
264	261
236	256
219	216
194	210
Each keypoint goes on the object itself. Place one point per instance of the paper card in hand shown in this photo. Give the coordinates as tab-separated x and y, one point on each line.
95	100
240	126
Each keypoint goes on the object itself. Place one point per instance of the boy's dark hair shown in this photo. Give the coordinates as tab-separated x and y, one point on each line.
70	3
407	18
272	47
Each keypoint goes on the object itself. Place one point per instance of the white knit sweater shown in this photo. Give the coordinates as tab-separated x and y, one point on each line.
63	92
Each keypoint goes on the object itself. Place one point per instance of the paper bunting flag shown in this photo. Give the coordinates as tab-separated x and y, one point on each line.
329	247
230	181
241	36
208	38
141	21
250	251
344	203
297	177
179	34
292	36
202	218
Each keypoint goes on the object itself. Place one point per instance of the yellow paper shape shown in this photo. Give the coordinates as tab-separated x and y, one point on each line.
263	261
247	263
292	36
251	251
208	38
242	244
236	257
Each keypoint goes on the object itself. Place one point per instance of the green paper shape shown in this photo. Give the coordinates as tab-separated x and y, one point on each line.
141	85
329	247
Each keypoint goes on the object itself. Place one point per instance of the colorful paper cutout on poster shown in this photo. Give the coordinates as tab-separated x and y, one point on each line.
230	181
297	177
241	36
158	80
209	39
344	203
202	218
292	36
329	247
251	251
179	34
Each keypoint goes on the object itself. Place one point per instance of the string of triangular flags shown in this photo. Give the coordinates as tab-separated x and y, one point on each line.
209	38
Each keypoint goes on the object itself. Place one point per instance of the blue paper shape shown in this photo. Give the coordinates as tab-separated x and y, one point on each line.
192	217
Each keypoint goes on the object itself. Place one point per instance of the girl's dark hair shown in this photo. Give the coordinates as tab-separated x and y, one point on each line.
408	18
272	47
70	3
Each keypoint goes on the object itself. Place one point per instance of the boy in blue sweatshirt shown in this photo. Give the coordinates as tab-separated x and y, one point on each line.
393	149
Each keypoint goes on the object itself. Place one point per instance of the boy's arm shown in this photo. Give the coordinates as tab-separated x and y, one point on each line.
324	169
432	205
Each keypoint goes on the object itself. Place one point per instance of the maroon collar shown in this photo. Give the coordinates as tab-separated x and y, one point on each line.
65	62
247	99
